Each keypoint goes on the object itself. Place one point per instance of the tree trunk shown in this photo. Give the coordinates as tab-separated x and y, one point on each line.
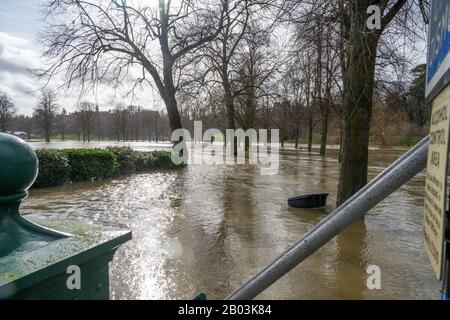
357	106
324	131
229	104
230	114
172	111
310	133
168	91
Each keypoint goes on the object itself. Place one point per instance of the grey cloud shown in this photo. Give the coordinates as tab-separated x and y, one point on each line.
12	67
24	89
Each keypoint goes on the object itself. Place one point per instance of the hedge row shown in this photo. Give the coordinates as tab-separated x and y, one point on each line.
57	167
137	161
54	168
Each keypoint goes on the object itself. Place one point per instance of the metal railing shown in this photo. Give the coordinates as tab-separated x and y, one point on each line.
394	176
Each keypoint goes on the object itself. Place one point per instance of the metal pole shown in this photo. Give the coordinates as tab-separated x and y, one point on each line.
401	171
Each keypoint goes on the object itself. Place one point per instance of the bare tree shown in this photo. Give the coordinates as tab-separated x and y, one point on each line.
156	128
221	52
358	62
317	38
339	29
328	68
255	65
135	115
279	118
7	111
114	40
308	87
62	123
121	122
45	113
86	119
290	108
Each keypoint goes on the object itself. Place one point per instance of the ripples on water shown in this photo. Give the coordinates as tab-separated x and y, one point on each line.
209	228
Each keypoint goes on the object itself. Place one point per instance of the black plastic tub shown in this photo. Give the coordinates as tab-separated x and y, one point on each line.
309	201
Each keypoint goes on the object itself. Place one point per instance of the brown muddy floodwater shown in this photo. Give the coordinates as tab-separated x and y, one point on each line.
210	228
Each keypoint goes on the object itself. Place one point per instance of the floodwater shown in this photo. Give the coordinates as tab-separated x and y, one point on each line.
209	228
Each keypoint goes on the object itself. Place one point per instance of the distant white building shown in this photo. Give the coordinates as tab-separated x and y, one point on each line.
20	134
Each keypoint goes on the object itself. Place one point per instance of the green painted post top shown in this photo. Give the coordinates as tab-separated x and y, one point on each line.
18	167
18	170
34	257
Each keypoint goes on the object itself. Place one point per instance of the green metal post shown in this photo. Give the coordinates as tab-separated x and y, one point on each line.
35	258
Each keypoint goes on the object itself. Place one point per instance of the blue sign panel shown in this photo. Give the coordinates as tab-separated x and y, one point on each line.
438	60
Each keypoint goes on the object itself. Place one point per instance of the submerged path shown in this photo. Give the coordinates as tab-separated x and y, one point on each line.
209	228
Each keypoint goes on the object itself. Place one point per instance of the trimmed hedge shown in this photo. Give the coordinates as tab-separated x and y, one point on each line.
125	157
54	168
57	167
91	164
131	160
163	160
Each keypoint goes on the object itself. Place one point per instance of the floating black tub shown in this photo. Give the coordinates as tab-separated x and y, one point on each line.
309	201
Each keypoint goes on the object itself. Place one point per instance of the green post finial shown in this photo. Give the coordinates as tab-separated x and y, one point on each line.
18	168
34	258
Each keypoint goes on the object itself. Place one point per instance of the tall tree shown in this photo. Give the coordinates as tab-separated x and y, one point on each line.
359	68
45	113
255	65
417	108
121	122
86	119
221	52
310	107
103	40
62	123
7	111
292	105
330	88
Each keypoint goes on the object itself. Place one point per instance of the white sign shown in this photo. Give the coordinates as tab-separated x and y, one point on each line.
436	181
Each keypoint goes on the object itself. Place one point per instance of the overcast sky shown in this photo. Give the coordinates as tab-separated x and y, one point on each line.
20	50
20	22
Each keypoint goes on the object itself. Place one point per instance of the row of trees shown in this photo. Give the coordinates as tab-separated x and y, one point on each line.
123	123
400	111
294	57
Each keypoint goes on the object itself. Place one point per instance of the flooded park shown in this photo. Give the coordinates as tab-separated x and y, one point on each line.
224	150
209	228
